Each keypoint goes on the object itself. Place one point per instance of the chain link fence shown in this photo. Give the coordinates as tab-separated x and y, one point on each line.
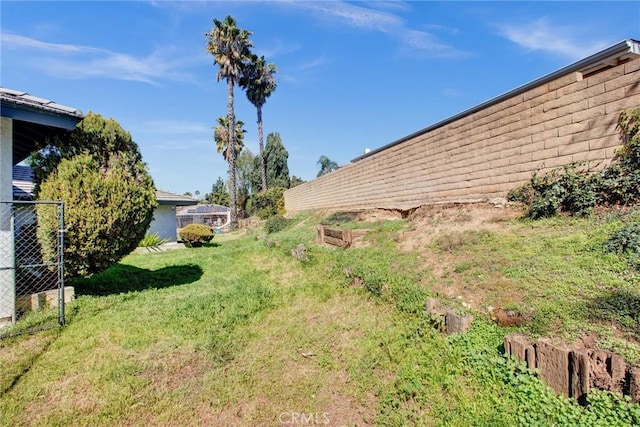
31	277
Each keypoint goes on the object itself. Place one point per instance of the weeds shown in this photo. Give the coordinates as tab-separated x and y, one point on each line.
275	223
626	241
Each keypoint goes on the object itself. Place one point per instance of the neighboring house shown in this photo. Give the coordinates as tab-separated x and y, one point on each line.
22	182
164	217
215	216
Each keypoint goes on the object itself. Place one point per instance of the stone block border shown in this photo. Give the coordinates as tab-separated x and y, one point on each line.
573	372
453	323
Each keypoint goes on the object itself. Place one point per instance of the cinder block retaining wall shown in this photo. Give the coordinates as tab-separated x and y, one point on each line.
485	154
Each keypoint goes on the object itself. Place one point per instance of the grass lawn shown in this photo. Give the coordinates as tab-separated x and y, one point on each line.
241	333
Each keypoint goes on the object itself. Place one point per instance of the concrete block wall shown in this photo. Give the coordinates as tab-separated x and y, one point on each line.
485	154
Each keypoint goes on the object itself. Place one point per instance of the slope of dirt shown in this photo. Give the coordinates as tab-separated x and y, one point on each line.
429	222
446	224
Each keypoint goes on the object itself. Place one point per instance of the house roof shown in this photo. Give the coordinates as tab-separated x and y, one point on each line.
203	210
167	198
34	120
619	53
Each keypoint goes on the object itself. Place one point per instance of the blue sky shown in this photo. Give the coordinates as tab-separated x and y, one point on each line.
351	75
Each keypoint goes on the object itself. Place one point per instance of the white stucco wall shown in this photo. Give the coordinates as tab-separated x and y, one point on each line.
164	223
7	278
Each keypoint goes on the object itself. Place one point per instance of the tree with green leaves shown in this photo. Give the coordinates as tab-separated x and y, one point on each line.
276	157
230	47
223	139
103	138
245	171
219	194
326	165
295	181
109	196
259	83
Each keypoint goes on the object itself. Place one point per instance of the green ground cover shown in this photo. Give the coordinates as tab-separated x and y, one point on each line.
240	333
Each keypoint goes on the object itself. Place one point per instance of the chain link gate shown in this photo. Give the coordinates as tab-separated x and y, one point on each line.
31	277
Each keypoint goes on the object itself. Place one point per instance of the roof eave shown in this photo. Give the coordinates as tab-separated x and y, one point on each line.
41	116
177	202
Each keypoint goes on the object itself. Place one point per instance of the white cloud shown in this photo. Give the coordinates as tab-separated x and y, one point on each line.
278	47
381	21
317	62
15	41
442	28
78	62
395	5
356	16
561	40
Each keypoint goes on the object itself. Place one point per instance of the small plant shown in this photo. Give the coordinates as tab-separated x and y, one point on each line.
626	241
194	235
151	240
276	223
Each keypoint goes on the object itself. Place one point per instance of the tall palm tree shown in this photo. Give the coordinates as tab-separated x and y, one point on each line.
326	165
230	47
259	83
222	139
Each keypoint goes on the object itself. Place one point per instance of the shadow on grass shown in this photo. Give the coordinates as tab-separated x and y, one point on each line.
126	278
621	306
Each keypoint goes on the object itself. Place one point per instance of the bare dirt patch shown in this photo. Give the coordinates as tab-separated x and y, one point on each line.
449	226
428	222
373	215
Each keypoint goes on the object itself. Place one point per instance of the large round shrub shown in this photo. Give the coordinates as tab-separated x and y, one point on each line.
108	209
194	235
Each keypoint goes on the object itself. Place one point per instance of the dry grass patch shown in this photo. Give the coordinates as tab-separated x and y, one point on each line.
310	358
17	354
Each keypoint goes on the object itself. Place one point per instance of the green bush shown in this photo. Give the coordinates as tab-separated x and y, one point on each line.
104	139
107	212
621	180
575	189
275	223
571	188
195	235
626	241
269	203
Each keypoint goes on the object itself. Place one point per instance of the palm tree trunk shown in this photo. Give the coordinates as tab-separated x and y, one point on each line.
263	166
233	223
